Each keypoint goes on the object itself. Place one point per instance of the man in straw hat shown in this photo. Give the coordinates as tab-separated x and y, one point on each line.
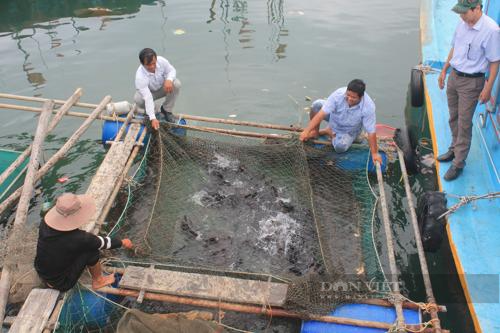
63	250
475	51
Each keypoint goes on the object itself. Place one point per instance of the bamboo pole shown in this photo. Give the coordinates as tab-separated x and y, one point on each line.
26	192
60	153
70	113
118	185
40	99
255	134
390	251
420	249
186	116
232	132
260	310
60	113
241	123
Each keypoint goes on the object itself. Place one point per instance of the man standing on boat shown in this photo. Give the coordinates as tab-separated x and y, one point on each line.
155	78
347	110
475	50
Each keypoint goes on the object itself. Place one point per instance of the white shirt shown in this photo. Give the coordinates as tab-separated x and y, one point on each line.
147	82
474	48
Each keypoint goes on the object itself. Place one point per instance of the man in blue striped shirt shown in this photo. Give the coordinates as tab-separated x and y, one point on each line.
348	111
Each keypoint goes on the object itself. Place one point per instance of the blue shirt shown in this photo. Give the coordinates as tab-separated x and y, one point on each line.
475	47
349	120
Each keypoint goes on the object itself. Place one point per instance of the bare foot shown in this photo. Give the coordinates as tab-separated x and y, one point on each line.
328	132
102	281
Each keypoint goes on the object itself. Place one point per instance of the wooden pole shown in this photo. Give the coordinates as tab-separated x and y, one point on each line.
70	113
255	134
26	194
260	310
60	153
290	128
42	100
191	117
420	249
390	250
60	113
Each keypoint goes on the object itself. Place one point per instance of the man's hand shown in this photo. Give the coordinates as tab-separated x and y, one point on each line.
127	243
377	158
155	123
304	135
485	94
441	79
168	86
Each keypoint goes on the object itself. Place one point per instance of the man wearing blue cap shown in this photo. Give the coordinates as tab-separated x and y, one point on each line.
475	51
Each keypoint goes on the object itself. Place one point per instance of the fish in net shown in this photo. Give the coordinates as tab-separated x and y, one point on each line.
255	209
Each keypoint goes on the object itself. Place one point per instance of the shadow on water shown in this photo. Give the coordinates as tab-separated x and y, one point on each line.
443	273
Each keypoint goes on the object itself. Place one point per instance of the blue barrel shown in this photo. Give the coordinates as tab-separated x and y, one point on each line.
178	130
84	308
368	312
110	129
355	159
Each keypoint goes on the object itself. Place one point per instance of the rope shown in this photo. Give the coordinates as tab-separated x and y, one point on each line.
463	200
313	208
233	328
425	307
425	325
157	191
104	298
426	69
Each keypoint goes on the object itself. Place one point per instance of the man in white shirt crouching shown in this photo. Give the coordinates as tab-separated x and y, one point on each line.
155	78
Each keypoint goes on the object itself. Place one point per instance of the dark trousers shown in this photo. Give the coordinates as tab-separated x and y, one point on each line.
72	274
463	94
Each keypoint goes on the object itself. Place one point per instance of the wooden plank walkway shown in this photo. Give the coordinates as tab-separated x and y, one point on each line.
36	310
41	302
204	286
104	181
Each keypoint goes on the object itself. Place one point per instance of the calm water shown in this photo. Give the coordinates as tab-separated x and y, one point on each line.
257	60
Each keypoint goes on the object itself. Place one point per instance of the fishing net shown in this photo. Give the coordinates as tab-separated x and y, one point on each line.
272	209
17	254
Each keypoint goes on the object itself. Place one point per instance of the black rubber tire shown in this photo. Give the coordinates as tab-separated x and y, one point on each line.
402	140
417	88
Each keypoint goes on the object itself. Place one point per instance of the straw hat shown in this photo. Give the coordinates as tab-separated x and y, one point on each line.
70	212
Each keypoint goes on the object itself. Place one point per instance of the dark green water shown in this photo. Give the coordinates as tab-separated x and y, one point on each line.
256	60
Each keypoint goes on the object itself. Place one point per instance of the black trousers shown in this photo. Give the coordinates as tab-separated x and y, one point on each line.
72	274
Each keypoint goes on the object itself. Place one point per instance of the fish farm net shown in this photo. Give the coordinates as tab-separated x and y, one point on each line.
259	209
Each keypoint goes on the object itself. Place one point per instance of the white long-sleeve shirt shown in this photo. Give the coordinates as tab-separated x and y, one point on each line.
146	82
